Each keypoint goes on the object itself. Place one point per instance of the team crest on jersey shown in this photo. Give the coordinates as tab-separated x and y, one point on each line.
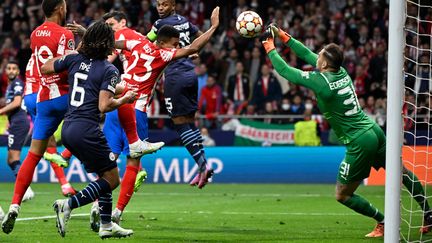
71	44
114	81
18	88
305	74
111	156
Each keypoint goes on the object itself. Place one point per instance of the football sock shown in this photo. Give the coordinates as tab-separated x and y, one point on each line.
412	183
127	118
105	207
66	154
362	206
15	165
25	176
200	140
189	138
93	191
127	186
59	172
51	150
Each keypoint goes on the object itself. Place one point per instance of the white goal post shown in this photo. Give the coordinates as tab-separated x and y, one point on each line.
395	88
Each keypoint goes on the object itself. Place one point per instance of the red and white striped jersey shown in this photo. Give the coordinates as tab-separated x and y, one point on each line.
126	34
147	63
49	40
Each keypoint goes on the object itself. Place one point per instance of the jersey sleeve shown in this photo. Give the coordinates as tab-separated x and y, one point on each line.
303	52
131	44
111	79
193	29
167	54
311	80
18	88
63	63
70	43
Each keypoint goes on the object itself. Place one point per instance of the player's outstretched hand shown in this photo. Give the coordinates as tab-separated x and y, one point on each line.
283	36
267	40
130	96
214	19
76	29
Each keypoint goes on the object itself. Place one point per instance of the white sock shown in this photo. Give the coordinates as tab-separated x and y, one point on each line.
106	226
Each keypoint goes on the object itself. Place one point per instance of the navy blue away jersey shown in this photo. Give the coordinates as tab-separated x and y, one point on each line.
86	79
187	32
15	88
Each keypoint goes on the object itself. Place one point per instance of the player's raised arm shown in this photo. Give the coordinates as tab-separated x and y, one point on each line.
200	42
299	49
293	75
55	65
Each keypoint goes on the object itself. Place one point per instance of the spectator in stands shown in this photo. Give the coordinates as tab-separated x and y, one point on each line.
210	102
266	89
238	88
297	107
269	111
202	77
254	65
207	140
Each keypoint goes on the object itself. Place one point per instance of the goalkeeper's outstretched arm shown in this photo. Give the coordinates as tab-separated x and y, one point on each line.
292	74
310	80
299	49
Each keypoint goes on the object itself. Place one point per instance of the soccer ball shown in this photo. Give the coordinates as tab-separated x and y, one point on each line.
249	24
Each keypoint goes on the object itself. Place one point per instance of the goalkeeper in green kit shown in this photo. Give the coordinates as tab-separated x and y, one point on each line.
364	139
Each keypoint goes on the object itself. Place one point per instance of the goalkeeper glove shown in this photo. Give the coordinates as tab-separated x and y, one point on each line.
283	36
267	40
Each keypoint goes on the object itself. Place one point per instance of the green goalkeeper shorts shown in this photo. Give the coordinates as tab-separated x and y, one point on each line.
363	153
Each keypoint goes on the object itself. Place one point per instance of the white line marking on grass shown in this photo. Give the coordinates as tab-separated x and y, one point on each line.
51	217
245	213
202	212
228	194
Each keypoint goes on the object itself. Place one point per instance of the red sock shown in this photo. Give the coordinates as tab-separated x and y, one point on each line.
59	172
127	186
66	154
25	176
52	150
127	117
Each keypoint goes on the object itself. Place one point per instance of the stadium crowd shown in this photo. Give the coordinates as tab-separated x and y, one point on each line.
233	73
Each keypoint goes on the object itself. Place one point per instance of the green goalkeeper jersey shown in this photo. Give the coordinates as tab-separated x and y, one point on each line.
334	91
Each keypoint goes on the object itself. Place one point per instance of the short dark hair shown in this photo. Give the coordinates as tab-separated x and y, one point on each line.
334	55
166	32
49	6
98	41
13	62
117	15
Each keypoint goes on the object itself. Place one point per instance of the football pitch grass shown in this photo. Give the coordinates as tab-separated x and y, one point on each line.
218	213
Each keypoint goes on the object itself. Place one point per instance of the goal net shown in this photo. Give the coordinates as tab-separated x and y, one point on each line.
416	152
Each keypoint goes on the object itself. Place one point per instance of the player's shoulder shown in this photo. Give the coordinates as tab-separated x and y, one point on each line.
109	67
171	20
18	82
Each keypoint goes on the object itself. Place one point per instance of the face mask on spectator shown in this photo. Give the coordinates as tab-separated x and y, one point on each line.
308	106
285	107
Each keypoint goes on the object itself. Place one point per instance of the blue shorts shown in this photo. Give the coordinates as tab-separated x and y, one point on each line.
30	104
49	115
89	145
116	136
19	126
181	93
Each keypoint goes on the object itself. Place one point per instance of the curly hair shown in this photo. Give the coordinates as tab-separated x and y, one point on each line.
98	41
